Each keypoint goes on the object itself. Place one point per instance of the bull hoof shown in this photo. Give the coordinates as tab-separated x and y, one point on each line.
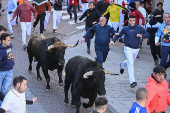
39	78
73	106
61	84
48	90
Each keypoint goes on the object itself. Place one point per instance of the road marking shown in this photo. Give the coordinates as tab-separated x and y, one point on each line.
80	27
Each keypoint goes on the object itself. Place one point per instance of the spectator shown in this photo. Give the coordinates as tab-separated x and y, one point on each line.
12	5
93	16
57	13
136	13
158	13
163	32
152	27
41	14
14	101
114	18
132	40
141	99
102	39
100	105
24	11
158	94
6	63
72	4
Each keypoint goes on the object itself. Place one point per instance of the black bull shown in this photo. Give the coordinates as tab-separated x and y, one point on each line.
86	78
49	53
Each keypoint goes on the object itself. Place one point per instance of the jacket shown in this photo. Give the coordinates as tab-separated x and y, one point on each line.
114	12
92	16
137	15
158	95
42	8
157	12
70	2
6	61
57	5
131	40
102	37
152	30
102	6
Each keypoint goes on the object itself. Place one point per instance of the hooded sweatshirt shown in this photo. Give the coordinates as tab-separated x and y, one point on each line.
158	95
8	63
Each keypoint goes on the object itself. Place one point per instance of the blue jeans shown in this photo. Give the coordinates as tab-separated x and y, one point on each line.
88	38
102	54
165	51
5	80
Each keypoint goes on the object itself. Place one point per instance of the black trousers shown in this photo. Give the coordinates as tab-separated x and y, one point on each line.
40	17
155	51
74	11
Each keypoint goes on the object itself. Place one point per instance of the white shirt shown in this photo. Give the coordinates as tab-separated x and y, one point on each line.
143	11
14	102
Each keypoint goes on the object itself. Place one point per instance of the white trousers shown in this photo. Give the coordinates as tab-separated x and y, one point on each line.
84	7
47	16
9	17
131	56
56	18
121	22
113	24
26	29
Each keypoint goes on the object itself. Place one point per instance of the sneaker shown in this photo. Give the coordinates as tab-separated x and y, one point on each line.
137	56
33	29
54	30
121	40
132	85
88	51
24	47
156	63
121	70
12	36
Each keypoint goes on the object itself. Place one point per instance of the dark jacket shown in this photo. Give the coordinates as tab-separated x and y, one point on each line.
6	61
102	38
102	6
92	15
58	5
131	39
157	12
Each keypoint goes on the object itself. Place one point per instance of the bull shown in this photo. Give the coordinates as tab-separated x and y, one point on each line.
86	78
49	53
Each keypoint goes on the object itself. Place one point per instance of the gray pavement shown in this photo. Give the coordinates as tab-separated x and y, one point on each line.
119	93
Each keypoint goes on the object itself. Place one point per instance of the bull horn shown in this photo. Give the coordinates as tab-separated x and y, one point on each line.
50	47
85	76
109	72
68	45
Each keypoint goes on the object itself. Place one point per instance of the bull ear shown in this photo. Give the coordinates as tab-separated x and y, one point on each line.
89	73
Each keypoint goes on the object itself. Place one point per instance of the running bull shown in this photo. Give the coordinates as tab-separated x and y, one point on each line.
86	78
49	53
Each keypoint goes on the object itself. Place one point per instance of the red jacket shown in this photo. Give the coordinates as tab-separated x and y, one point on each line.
137	15
158	95
70	2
